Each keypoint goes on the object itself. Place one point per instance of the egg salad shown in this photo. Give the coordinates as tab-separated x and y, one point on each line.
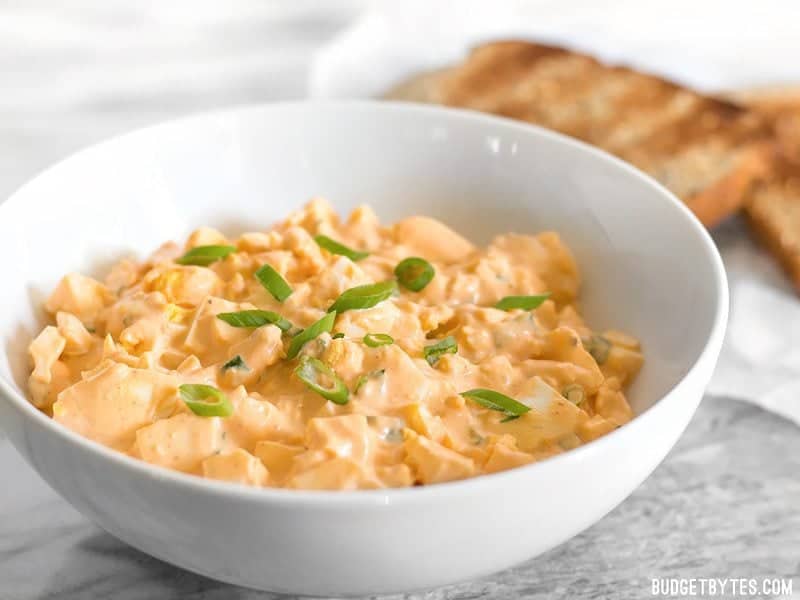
328	354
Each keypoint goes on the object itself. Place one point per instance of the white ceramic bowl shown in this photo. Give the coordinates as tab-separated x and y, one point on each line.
649	268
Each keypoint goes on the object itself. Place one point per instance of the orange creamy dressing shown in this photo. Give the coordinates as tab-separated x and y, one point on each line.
110	366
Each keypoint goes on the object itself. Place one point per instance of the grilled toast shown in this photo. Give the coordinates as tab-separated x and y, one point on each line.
781	106
706	150
773	209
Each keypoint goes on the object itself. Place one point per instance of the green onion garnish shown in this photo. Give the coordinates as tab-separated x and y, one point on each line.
364	378
237	362
273	282
308	334
335	247
205	255
205	400
321	379
373	340
433	352
574	393
414	273
476	438
337	336
598	346
497	401
364	296
522	302
255	318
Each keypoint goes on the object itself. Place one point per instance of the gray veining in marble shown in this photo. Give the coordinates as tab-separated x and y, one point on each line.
723	504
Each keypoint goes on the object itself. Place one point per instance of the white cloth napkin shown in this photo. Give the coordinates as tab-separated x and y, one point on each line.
760	359
711	45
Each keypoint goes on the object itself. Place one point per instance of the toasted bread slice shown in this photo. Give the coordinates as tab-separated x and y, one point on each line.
773	210
707	151
781	105
774	214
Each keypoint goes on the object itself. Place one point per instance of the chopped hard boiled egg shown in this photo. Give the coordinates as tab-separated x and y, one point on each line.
334	354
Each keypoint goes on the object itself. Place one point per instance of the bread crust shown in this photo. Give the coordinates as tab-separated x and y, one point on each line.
769	233
772	214
725	197
773	208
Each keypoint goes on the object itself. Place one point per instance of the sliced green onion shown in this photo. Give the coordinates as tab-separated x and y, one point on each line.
205	400
508	418
389	429
522	302
476	438
574	393
433	352
237	362
335	247
364	296
273	282
337	336
362	379
373	340
308	334
598	346
414	273
205	255
394	435
497	401
255	318
320	378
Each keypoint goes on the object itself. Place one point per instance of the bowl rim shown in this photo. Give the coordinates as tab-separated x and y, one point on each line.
347	499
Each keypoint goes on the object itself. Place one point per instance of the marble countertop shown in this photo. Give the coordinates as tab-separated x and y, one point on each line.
723	503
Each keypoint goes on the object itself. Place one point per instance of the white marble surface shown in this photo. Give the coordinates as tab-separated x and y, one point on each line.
724	503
